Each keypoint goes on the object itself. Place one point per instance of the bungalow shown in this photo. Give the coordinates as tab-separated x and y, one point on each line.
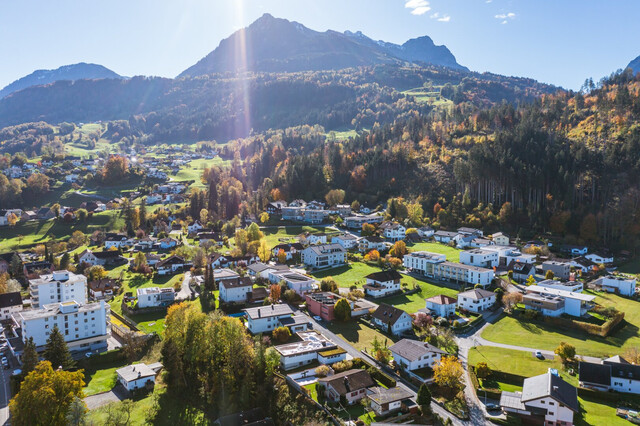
521	271
137	376
262	270
306	350
324	256
575	286
170	265
351	385
444	237
615	373
153	297
500	239
600	257
554	302
391	319
620	284
545	399
262	319
412	355
348	241
235	291
387	401
383	283
476	300
297	282
441	305
426	232
373	242
393	231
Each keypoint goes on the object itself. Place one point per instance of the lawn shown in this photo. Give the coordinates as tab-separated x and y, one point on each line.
359	335
453	254
26	234
193	170
348	275
539	335
413	302
287	233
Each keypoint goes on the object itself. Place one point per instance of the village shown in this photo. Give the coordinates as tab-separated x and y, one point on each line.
366	314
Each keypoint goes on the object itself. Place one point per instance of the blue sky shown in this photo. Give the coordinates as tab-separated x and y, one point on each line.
554	41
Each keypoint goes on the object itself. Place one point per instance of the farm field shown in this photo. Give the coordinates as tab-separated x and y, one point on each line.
539	335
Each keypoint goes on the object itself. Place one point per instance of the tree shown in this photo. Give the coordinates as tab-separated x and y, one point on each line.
499	294
424	398
115	169
282	334
77	239
95	273
422	320
448	375
16	266
329	284
77	415
632	355
38	184
139	261
56	350
530	280
264	217
367	229
335	196
81	214
510	300
549	275
399	249
565	351
45	396
274	293
29	357
589	228
282	256
65	260
119	414
482	370
372	256
133	345
380	351
264	252
342	310
12	219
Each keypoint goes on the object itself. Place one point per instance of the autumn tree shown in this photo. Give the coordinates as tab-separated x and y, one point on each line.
264	253
37	184
12	219
115	169
264	217
368	229
342	310
549	275
275	293
282	256
530	280
632	355
329	284
380	351
482	370
399	249
422	320
448	375
45	396
282	334
77	239
56	350
372	256
254	233
565	351
95	273
510	300
335	196
588	228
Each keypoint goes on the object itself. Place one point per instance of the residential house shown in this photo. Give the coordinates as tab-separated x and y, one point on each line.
307	350
84	326
582	264
554	302
324	256
167	243
393	231
170	265
444	237
319	238
153	259
5	261
343	210
612	374
476	300
521	271
321	304
441	305
275	207
45	213
545	399
575	250
146	243
314	215
391	319
136	376
426	232
154	297
575	286
383	283
470	231
385	401
10	305
507	254
500	239
560	270
115	240
263	319
236	291
364	209
291	250
372	242
463	274
479	257
262	270
479	242
347	241
411	354
356	222
29	215
215	237
194	227
600	257
32	270
292	212
423	262
58	287
296	281
102	288
351	385
102	258
620	284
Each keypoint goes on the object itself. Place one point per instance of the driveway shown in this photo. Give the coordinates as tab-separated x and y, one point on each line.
116	394
185	290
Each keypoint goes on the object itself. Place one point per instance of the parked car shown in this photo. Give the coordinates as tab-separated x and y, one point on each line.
539	355
317	318
491	406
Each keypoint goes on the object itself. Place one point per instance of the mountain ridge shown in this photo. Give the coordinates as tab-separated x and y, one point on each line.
72	72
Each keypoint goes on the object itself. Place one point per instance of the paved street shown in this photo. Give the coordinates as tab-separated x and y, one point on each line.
185	290
4	396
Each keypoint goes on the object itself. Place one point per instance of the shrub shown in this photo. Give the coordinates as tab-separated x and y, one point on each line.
281	334
322	371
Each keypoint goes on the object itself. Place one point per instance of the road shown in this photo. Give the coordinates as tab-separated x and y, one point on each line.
185	290
5	395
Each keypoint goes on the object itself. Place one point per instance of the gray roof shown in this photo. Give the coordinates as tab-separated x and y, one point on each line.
268	311
412	350
477	293
511	400
384	396
550	385
135	371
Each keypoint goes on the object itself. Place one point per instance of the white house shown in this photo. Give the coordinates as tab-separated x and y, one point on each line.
194	227
347	241
320	238
521	271
351	385
383	283
136	376
470	231
441	305
479	257
324	256
444	237
545	399
600	257
459	273
84	326
426	232
153	297
10	304
615	373
387	401
308	350
235	290
412	354
373	242
393	231
296	281
263	319
388	317
476	300
356	222
59	286
575	286
500	239
625	285
170	265
423	262
115	240
555	302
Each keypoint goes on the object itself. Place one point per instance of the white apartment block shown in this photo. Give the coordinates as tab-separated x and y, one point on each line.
264	319
84	326
476	300
423	262
479	257
152	297
324	256
57	287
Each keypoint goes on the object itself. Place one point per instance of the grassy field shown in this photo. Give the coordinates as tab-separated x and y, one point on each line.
273	235
359	335
26	234
538	335
431	97
348	275
102	380
193	170
413	302
453	254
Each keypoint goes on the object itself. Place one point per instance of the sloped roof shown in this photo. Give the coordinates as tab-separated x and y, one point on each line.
387	314
385	396
441	299
413	350
10	299
550	385
595	373
354	379
388	275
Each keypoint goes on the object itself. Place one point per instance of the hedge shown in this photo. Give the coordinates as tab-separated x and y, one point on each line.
382	377
596	330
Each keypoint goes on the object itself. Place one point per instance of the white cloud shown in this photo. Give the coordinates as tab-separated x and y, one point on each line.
504	17
440	18
445	18
419	7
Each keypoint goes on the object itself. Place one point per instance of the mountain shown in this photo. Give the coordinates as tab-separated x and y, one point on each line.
635	65
277	45
67	72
